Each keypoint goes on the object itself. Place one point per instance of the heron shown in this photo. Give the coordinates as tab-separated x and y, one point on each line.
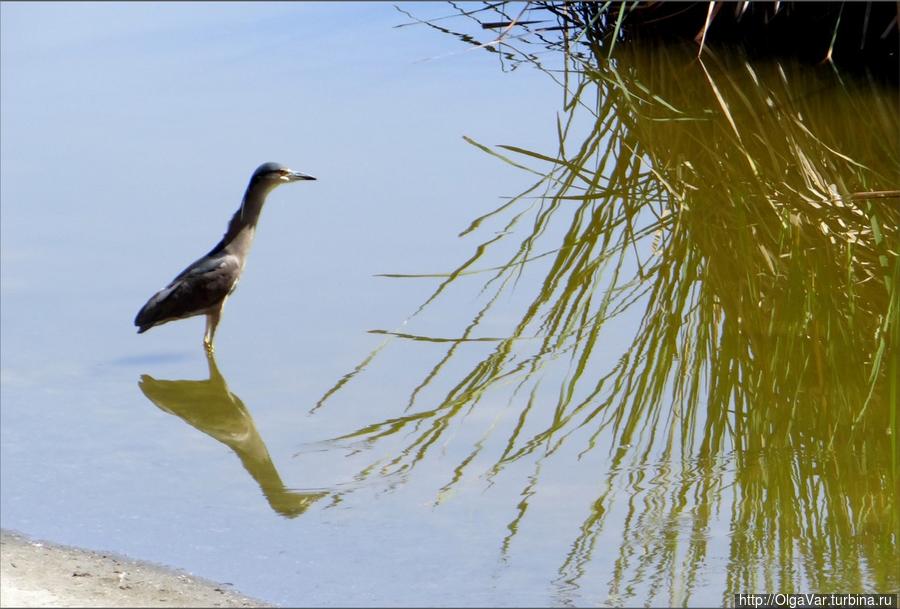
204	286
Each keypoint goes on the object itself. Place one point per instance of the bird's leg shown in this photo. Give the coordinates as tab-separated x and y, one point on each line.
212	320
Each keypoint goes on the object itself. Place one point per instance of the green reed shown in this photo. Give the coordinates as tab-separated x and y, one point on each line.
763	251
759	235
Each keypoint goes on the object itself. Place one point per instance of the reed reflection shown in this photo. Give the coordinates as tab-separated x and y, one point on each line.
209	406
748	213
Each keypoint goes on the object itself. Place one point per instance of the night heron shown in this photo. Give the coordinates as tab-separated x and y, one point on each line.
203	287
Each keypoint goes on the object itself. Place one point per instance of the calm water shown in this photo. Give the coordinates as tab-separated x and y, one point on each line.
347	446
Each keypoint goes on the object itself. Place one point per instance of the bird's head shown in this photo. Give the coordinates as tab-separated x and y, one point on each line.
273	174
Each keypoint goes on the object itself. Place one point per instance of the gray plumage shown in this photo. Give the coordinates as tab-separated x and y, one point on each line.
203	287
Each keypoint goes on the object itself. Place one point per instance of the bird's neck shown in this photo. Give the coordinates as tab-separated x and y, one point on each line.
242	226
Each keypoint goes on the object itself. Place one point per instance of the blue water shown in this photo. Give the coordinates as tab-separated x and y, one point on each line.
128	134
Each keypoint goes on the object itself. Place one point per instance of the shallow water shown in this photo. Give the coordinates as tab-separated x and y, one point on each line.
316	462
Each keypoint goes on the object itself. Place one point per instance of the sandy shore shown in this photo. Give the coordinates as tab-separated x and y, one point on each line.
38	574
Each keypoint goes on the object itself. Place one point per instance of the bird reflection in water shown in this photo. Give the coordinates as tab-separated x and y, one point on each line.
209	406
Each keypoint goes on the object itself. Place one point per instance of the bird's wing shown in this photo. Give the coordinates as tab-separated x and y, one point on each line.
199	287
205	265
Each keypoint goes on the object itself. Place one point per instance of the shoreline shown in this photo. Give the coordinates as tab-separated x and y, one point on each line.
36	573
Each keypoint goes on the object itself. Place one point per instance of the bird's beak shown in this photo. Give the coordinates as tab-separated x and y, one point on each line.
294	176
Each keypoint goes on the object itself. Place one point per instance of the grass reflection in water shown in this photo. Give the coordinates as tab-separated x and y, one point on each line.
752	212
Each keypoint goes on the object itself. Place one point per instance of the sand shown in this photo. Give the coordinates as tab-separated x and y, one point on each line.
39	574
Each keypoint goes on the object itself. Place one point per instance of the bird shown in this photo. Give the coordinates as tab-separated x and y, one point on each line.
204	286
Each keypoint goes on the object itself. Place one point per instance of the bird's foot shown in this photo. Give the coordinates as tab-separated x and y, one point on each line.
209	347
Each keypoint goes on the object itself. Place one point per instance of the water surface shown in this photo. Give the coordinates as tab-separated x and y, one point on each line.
446	440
